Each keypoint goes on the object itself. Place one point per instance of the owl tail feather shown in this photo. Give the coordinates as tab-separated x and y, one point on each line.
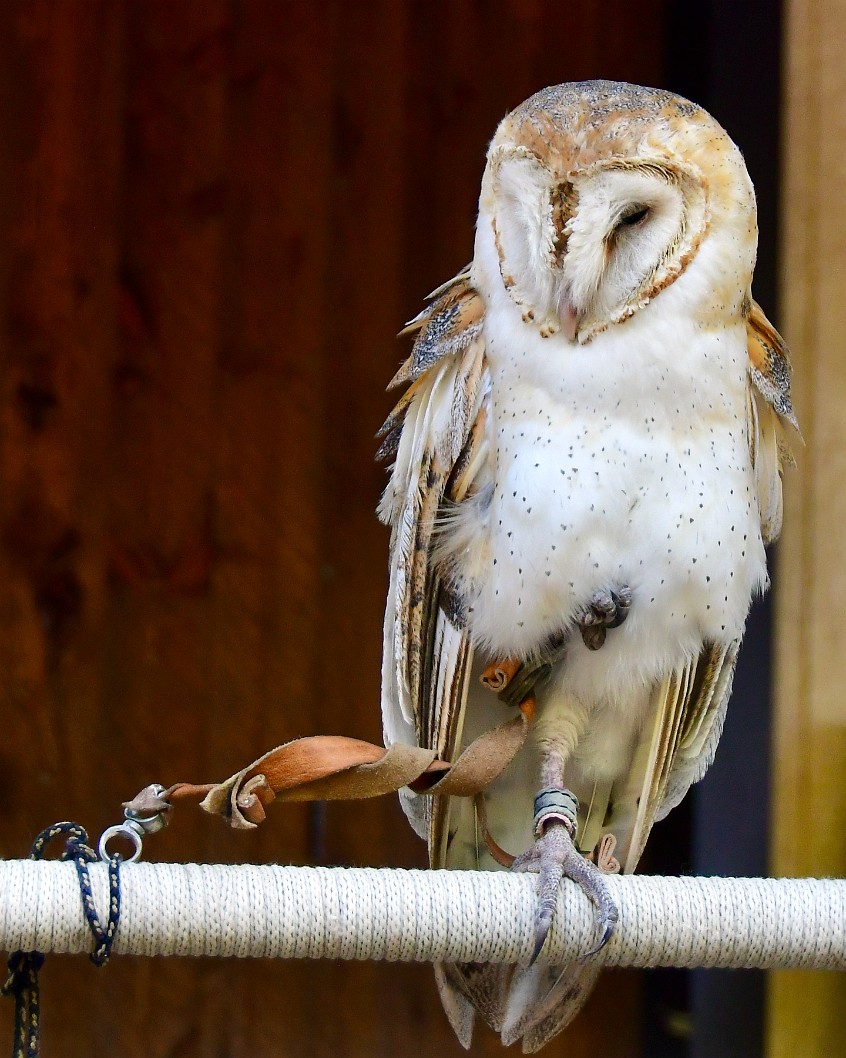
531	1003
542	1000
457	1007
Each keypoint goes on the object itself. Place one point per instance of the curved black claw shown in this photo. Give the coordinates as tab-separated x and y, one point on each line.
606	609
541	932
553	857
622	599
607	934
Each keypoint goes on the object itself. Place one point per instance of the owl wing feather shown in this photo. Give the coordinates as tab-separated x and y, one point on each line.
436	434
770	414
690	709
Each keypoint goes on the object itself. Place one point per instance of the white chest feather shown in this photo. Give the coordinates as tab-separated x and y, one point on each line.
622	462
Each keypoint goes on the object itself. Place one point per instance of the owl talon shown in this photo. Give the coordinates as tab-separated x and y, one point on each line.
607	934
608	608
622	599
553	857
593	636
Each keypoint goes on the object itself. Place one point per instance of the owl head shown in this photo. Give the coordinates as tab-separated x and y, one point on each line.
598	196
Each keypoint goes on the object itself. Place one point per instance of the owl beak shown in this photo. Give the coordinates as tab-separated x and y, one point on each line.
569	317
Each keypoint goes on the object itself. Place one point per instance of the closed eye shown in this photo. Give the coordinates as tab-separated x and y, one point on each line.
632	216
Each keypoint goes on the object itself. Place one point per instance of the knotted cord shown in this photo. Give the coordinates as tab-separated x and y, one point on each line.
27	959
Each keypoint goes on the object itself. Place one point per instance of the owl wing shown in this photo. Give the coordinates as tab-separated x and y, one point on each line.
770	413
691	706
437	437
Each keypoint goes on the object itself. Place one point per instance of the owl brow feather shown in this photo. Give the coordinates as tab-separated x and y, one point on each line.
564	201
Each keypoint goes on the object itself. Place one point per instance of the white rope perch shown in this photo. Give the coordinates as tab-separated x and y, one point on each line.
418	916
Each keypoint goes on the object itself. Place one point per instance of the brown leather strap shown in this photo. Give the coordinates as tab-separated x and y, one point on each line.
486	757
318	768
332	767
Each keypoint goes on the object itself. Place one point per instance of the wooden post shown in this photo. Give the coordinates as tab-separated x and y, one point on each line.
809	796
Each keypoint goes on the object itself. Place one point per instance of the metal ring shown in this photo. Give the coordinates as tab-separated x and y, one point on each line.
129	833
148	824
555	803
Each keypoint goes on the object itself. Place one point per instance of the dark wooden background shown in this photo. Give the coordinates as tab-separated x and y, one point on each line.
214	217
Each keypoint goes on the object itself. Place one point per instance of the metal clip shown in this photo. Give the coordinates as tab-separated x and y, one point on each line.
133	828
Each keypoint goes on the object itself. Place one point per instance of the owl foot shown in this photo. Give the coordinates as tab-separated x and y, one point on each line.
607	608
554	856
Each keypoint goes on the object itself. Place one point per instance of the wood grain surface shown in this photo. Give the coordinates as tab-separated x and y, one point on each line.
215	216
809	794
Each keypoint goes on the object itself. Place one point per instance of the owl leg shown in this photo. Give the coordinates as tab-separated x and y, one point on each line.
554	854
606	609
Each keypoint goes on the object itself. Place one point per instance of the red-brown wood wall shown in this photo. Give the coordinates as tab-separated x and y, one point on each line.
214	217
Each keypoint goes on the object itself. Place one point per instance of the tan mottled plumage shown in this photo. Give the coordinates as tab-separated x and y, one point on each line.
595	402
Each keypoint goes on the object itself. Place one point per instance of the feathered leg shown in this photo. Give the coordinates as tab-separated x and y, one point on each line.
554	855
543	997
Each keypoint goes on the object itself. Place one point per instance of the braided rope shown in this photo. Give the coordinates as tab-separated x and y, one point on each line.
397	915
24	965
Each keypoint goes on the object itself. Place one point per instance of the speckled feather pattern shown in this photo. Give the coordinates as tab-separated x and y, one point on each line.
596	402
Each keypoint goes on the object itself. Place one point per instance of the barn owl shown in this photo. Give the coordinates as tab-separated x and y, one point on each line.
587	466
